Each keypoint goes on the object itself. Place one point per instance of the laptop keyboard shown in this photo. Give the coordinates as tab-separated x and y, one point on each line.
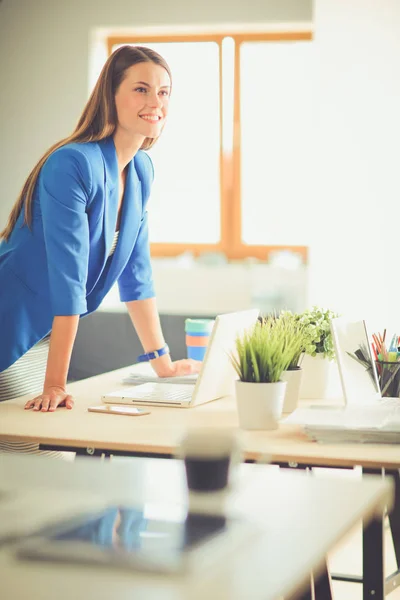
161	392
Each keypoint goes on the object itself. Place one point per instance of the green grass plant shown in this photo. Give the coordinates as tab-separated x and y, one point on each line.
267	349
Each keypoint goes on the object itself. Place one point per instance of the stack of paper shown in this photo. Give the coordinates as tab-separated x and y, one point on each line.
335	435
373	424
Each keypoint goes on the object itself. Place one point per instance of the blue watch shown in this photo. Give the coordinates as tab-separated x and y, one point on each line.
154	354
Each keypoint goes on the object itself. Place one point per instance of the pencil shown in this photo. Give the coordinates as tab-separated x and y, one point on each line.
377	342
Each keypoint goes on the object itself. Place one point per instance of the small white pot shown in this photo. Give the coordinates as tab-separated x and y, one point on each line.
293	380
260	404
317	376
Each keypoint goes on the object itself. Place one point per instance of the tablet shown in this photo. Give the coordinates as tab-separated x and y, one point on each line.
124	537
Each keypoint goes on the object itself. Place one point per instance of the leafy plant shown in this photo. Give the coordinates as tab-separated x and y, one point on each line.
317	331
266	350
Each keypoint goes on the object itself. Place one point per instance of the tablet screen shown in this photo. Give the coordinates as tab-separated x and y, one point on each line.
123	536
126	529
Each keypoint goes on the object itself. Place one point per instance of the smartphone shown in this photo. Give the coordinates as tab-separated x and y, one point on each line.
114	409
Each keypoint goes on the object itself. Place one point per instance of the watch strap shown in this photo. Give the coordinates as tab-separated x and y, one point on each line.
153	355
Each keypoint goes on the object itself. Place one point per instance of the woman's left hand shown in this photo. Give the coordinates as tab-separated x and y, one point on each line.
51	397
178	368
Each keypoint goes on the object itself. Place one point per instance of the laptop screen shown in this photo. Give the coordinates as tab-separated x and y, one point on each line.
356	367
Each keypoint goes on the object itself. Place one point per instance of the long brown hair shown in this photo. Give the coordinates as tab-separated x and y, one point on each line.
98	120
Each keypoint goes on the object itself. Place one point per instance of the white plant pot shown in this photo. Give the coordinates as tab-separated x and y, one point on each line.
293	379
260	404
320	378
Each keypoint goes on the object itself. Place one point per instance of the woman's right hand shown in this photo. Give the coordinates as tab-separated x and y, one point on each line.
51	397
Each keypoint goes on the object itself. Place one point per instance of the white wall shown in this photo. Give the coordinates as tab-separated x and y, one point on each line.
354	258
44	49
205	290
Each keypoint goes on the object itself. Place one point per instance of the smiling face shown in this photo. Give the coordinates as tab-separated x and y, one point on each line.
142	100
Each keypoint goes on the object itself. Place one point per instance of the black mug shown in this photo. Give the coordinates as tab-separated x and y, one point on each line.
209	455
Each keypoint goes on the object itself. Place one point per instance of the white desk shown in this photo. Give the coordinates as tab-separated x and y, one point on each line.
300	519
160	432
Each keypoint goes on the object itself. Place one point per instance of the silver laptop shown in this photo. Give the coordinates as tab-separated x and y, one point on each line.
215	380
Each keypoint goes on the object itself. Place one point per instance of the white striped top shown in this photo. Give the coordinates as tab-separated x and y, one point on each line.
25	376
114	244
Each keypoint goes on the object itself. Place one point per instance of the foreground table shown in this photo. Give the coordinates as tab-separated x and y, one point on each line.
299	518
159	434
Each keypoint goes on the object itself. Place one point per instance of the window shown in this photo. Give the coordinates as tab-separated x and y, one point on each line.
232	161
276	121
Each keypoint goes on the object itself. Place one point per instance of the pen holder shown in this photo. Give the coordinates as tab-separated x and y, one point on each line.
389	378
198	333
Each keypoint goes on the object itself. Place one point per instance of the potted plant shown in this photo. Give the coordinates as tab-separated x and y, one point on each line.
319	352
294	372
262	354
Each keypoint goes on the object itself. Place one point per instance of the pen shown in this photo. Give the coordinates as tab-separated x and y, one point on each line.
393	345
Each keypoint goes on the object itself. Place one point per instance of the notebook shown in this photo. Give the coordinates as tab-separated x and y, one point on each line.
146	374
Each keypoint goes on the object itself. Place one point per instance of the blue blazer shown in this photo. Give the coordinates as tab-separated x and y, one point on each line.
59	265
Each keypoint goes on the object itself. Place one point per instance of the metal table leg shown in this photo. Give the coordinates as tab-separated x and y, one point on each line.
373	555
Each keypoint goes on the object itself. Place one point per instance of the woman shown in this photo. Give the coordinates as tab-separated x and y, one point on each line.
80	225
